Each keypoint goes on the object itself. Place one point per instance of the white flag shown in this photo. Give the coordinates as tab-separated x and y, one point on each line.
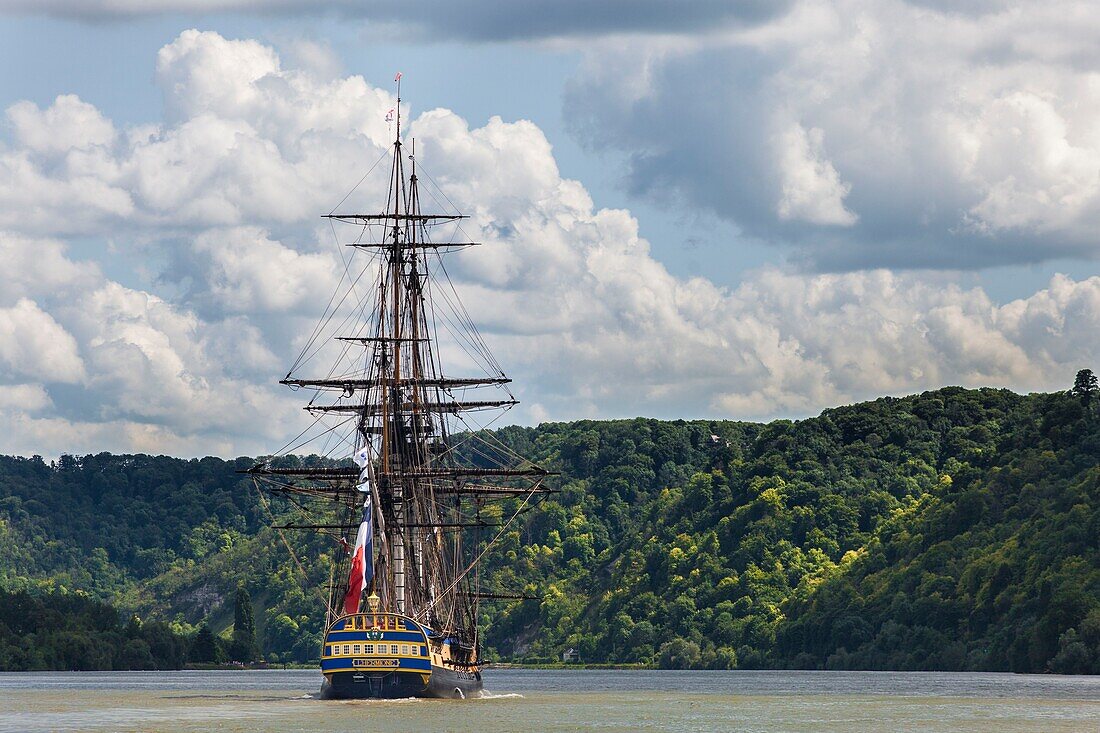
362	456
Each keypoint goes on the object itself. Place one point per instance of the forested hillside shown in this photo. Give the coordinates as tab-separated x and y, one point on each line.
957	529
165	538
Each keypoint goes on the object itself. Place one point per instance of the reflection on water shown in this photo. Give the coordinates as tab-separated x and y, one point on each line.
536	700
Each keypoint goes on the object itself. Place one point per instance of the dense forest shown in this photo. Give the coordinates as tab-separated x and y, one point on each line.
76	632
956	529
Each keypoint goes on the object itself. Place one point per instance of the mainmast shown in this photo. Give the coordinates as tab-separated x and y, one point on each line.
427	479
391	459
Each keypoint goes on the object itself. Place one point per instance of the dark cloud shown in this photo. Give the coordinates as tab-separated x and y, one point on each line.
533	19
478	20
970	8
696	133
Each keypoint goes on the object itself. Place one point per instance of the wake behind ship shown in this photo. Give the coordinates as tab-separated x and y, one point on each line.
401	617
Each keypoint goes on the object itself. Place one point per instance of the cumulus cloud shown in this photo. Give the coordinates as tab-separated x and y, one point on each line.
603	329
69	125
937	138
83	358
811	189
243	143
576	300
566	292
33	345
246	271
36	267
24	398
862	134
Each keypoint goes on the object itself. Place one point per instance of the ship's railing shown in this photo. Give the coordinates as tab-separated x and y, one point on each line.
376	621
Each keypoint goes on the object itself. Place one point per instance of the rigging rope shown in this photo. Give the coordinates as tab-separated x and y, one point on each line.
289	549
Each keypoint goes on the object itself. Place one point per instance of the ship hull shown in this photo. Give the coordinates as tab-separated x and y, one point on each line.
443	683
390	656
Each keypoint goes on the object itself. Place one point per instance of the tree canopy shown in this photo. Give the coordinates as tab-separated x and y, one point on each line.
955	529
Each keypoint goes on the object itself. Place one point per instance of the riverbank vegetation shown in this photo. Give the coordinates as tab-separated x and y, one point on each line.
956	529
55	629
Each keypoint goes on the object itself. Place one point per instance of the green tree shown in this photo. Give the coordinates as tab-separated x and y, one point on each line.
136	655
679	654
242	647
1085	386
205	648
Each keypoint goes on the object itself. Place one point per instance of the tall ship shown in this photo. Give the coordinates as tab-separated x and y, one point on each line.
414	492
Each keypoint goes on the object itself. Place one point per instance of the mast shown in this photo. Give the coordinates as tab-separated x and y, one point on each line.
426	466
395	390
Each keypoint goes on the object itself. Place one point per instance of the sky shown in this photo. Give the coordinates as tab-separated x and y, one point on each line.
741	210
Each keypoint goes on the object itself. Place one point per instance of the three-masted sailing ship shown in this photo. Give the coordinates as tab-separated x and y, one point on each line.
408	506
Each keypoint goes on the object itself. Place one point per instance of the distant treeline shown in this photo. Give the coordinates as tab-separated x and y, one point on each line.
55	630
956	529
74	632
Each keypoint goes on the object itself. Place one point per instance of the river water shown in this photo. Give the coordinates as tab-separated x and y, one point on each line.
568	700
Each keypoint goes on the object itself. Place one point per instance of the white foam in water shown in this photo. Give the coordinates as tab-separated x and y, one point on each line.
486	695
377	701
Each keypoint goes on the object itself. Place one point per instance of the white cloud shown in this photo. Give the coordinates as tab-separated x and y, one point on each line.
39	268
206	73
811	189
953	139
51	436
70	124
578	302
1056	183
63	200
316	57
244	143
246	271
863	133
568	294
149	361
85	359
34	345
25	398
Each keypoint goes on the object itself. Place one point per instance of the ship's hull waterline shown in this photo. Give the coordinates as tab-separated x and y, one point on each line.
443	683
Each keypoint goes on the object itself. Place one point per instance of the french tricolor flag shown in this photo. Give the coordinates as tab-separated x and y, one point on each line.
362	559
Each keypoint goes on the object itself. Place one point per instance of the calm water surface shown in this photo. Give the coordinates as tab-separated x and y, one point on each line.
536	700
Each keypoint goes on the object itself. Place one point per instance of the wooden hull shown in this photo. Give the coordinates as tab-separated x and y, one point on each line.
391	656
